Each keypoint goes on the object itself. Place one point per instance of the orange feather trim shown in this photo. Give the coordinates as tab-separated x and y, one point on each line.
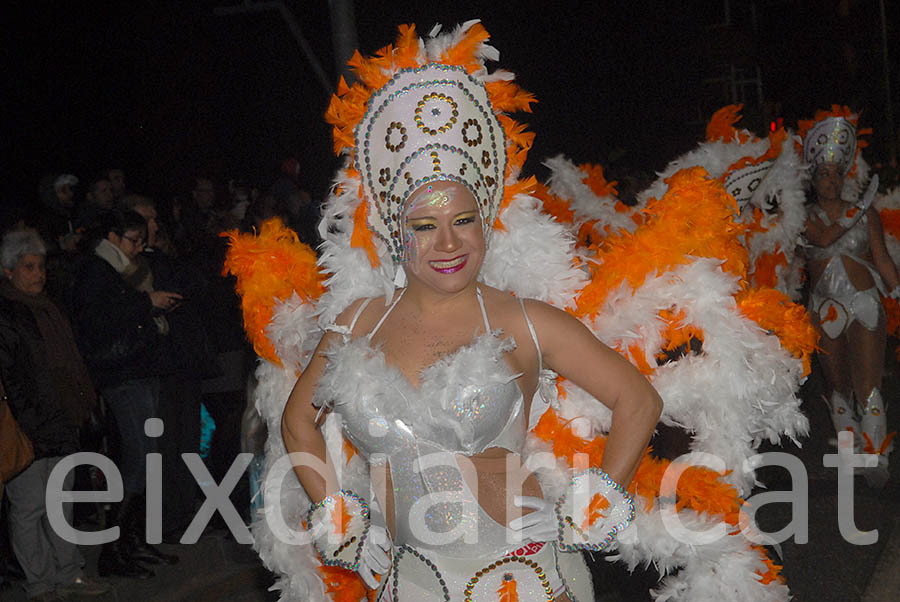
765	270
361	238
526	186
342	585
699	488
774	312
596	181
508	590
695	218
464	53
776	141
721	125
594	510
269	267
773	571
558	208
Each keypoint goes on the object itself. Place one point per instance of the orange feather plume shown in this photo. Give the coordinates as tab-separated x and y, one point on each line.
695	218
765	270
361	238
555	206
721	125
508	589
270	266
594	510
342	585
699	488
789	321
464	53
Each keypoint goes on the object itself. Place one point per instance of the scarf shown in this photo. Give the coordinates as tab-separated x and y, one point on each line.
136	273
69	372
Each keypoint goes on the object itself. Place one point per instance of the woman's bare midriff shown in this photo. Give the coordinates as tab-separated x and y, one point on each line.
859	275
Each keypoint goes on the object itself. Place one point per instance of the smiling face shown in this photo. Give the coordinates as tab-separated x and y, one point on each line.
828	181
443	236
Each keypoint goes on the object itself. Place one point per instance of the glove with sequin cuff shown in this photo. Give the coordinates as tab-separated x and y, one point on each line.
344	535
592	511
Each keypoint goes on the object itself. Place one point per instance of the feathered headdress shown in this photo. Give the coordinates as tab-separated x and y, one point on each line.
423	111
832	137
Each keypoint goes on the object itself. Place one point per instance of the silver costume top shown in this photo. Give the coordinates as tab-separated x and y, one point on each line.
467	402
854	243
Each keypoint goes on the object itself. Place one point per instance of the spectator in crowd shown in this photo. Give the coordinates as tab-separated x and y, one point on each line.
116	177
191	359
99	199
121	323
50	395
56	220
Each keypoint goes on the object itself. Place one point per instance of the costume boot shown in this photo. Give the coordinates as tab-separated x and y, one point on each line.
843	417
138	546
875	437
115	558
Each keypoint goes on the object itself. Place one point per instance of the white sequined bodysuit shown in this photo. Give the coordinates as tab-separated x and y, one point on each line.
467	402
833	297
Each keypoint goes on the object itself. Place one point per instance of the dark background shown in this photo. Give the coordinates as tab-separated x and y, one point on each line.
168	89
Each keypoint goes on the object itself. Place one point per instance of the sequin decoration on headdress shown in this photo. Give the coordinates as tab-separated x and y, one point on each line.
425	111
831	137
430	123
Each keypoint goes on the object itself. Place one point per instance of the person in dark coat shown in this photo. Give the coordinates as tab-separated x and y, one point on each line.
49	395
121	325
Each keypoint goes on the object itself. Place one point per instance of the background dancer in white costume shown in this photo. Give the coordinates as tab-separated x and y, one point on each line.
849	270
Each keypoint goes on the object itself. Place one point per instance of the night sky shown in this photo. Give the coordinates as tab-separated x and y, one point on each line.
169	89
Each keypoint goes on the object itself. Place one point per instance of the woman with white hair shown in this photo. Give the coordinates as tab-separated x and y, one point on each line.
50	395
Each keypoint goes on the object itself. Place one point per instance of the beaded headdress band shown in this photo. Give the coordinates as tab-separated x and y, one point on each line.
427	124
426	110
831	140
743	177
833	137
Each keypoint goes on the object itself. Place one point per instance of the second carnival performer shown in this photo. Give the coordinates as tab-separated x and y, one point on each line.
849	270
433	382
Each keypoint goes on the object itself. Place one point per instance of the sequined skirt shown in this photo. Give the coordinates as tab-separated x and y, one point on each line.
421	575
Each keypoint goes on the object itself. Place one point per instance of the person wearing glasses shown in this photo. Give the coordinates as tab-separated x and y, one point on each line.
121	322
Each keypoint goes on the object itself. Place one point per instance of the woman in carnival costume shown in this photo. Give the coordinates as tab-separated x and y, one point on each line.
441	413
850	270
427	113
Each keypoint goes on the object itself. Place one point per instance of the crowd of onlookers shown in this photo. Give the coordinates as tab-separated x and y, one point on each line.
114	313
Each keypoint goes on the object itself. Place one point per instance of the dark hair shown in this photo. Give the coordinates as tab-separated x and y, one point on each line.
117	222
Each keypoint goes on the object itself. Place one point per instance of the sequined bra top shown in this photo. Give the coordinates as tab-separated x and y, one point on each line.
467	402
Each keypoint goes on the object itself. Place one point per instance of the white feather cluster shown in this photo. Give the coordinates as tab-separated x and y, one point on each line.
784	185
566	181
715	157
350	274
739	391
534	258
726	568
890	201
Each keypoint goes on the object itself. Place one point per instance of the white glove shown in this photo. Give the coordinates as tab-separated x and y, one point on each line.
362	545
537	526
376	553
